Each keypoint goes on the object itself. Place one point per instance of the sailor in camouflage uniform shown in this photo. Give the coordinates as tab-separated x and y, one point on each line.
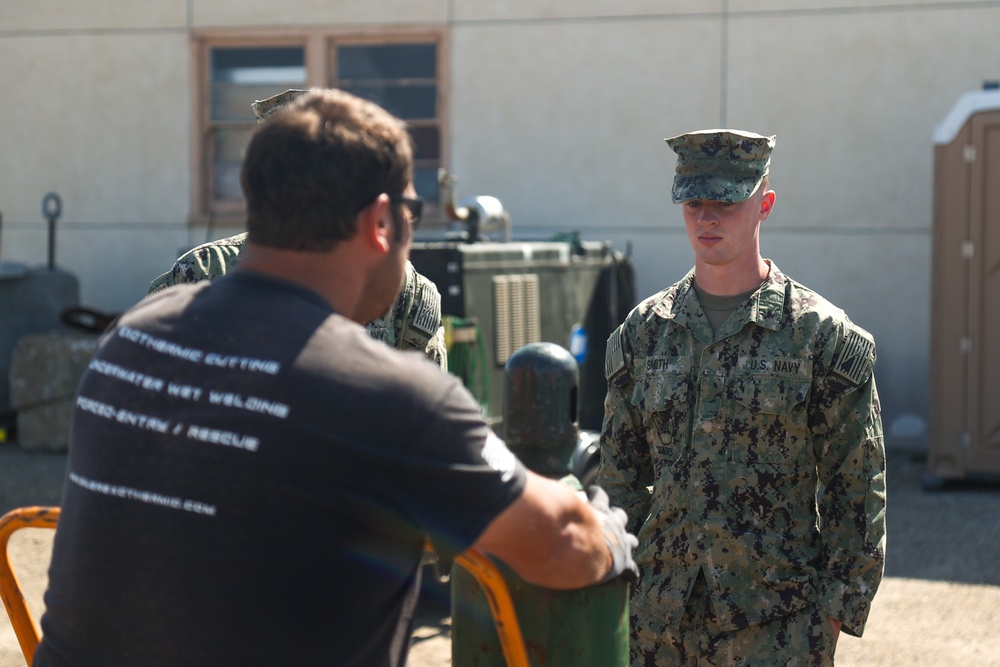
743	437
412	323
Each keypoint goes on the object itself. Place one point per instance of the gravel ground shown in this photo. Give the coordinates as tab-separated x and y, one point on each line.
938	606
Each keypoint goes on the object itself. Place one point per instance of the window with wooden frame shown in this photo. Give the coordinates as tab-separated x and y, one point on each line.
398	71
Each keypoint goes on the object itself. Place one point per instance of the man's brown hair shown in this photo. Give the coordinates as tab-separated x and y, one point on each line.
316	163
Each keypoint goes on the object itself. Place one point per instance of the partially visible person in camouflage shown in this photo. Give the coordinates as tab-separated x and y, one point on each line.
412	323
743	437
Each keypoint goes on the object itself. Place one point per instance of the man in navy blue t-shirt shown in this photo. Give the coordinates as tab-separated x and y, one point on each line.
252	479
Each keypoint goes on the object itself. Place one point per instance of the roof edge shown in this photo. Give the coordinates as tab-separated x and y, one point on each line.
967	105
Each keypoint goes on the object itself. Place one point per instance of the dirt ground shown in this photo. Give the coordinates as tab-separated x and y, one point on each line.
938	606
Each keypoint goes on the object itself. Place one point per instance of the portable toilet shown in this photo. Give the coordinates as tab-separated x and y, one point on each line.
964	424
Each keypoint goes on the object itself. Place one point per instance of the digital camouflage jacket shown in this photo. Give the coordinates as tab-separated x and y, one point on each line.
754	455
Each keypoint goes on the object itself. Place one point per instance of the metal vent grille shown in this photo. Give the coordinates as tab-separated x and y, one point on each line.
517	316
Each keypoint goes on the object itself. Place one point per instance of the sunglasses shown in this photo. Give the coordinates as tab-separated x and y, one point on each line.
416	207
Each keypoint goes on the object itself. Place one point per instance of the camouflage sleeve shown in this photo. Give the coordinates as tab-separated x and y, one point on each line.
847	425
206	262
625	471
436	350
417	318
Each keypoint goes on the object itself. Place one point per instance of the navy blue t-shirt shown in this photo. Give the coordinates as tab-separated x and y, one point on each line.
251	481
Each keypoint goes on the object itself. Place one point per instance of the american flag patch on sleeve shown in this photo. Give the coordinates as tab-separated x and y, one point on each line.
857	356
614	360
428	317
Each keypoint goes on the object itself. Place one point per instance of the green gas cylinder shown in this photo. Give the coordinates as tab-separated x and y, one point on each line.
580	628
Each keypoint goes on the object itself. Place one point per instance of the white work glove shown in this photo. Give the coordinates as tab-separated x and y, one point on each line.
613	521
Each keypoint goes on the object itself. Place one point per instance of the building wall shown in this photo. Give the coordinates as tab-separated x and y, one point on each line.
557	108
96	111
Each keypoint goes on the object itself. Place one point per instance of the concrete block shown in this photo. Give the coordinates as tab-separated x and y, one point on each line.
31	300
45	428
45	371
47	367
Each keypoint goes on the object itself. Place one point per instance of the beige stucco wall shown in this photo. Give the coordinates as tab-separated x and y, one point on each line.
557	107
97	111
230	13
39	16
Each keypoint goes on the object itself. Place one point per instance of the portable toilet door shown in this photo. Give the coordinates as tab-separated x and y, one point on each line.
964	425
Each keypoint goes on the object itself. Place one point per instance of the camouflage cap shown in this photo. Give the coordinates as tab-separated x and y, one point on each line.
262	109
720	165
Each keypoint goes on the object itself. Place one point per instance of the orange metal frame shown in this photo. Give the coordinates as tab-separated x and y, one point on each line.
501	605
25	628
28	633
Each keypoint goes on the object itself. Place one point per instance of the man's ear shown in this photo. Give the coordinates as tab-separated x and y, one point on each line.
766	204
375	224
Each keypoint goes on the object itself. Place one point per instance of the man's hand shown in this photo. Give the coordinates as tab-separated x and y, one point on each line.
613	521
561	538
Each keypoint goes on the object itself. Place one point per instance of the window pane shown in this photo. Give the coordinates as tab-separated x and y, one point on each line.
227	182
406	102
227	154
381	62
242	75
229	144
426	183
271	64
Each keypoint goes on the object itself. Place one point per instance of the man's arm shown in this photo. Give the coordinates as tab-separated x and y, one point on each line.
436	350
552	537
847	427
205	262
625	470
415	318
